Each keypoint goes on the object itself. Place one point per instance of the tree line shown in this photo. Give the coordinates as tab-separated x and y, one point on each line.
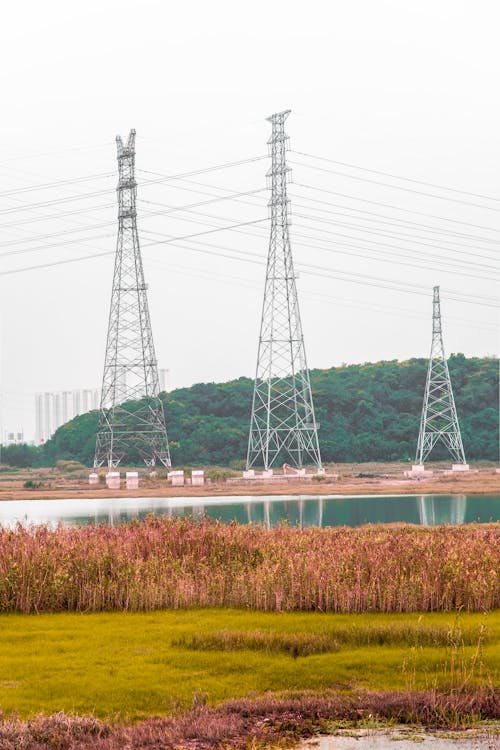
367	412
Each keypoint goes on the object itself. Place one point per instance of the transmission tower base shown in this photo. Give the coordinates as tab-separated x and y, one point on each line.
289	475
460	467
176	478
132	480
418	471
113	480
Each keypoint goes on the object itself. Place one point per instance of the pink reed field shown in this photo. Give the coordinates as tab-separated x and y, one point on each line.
178	563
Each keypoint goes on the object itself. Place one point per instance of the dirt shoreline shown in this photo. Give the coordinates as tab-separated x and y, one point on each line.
473	483
405	737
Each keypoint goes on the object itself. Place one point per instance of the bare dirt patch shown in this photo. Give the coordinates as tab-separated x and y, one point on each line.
353	479
404	738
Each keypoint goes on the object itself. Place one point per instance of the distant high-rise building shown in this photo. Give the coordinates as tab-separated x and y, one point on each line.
164	379
77	400
56	411
39	432
53	409
85	401
47	422
13	438
67	411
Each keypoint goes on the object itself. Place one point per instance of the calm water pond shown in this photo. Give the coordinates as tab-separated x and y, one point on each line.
332	510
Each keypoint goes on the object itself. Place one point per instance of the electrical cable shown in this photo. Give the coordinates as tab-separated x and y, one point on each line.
396	208
383	244
458	296
396	176
163	178
379	219
450	263
451	250
394	187
217	229
55	184
64	232
205	274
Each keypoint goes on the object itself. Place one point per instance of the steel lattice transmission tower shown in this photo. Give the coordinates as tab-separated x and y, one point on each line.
282	423
127	429
439	422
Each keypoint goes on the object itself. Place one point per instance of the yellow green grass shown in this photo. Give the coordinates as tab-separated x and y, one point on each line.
135	665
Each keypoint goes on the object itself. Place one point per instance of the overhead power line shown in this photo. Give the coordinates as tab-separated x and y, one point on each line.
334	245
426	228
55	184
403	237
395	187
231	280
92	227
22	157
223	165
400	251
394	221
111	252
462	262
396	176
241	227
60	214
396	208
163	178
253	258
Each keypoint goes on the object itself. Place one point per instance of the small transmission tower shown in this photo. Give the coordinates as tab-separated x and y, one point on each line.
439	420
282	423
128	429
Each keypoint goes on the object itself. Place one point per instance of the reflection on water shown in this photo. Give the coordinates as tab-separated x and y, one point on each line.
296	511
435	510
426	510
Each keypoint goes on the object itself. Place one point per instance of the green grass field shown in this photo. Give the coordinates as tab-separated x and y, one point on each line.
143	664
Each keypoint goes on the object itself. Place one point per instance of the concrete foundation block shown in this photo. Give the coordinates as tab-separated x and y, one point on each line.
113	480
93	478
267	473
177	478
460	467
197	478
249	474
418	469
132	480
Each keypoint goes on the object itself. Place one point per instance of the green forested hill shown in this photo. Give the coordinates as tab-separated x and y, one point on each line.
366	412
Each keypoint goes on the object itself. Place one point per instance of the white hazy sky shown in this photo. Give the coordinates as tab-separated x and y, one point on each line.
406	87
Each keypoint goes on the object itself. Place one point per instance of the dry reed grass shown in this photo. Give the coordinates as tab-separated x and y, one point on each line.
177	563
268	721
413	634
